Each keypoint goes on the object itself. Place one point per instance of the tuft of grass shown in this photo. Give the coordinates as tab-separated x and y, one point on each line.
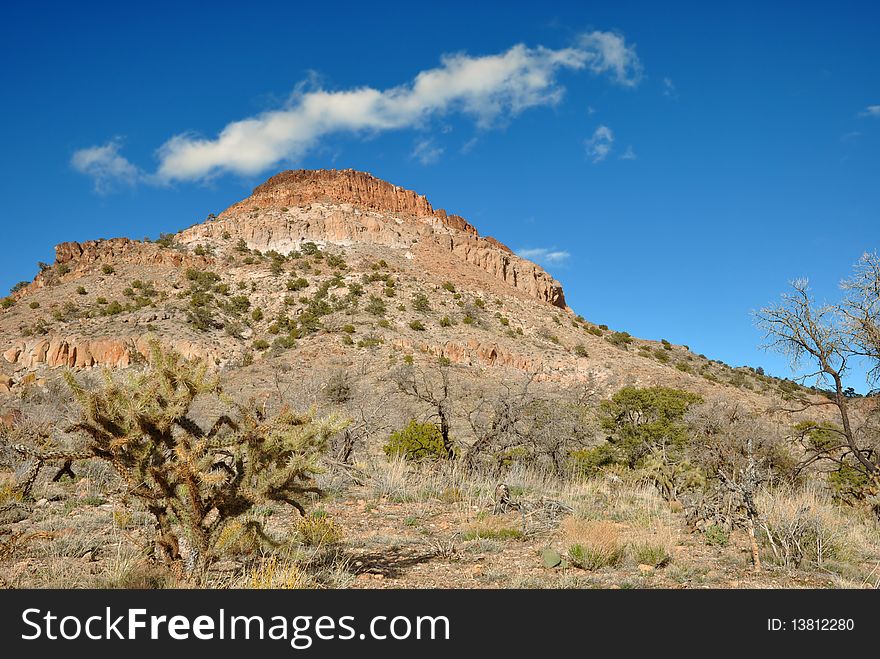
592	544
318	530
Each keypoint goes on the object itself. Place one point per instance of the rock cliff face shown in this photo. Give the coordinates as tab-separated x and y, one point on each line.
347	207
82	352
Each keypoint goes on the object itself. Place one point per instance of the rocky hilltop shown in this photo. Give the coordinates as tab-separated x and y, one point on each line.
344	207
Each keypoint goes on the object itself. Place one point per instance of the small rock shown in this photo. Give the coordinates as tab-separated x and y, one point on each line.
41	503
646	569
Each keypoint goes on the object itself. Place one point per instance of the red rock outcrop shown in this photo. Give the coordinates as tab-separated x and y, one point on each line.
81	352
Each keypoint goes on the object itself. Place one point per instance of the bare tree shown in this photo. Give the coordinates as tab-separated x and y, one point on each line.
830	337
432	387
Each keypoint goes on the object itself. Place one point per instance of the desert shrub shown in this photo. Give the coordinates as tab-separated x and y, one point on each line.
309	249
619	339
417	325
338	388
200	486
589	461
202	279
448	286
165	240
297	284
375	306
284	342
661	355
595	331
420	303
336	261
34	305
260	344
257	315
666	344
581	351
716	535
445	322
6	302
646	420
18	286
650	554
107	269
416	441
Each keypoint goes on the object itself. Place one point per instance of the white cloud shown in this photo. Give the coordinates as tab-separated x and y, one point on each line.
426	152
600	144
105	166
488	89
870	111
669	89
608	53
629	154
544	255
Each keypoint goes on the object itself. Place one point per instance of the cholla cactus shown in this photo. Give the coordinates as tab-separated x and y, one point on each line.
198	484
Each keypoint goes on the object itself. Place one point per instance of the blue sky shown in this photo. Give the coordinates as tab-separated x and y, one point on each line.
673	166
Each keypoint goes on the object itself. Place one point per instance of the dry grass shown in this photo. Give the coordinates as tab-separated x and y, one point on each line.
805	528
592	544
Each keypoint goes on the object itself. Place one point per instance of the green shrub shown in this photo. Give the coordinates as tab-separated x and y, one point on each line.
646	553
448	286
595	331
619	339
645	419
416	441
589	461
260	344
107	269
63	269
375	306
34	305
661	355
581	351
257	314
420	303
445	322
417	325
716	536
297	284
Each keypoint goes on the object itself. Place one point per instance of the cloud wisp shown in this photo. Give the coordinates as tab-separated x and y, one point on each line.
546	256
108	170
489	90
600	144
870	111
